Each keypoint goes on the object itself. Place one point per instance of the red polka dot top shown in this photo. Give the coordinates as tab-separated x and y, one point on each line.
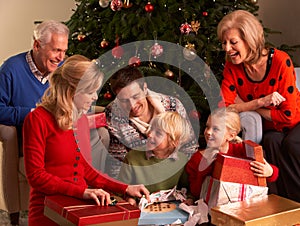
280	76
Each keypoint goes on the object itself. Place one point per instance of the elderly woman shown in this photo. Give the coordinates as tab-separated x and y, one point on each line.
261	81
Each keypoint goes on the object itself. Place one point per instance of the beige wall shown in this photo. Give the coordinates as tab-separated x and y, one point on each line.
282	16
17	21
17	17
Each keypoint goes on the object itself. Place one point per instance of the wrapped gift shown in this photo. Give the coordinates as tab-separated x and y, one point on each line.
254	151
163	213
237	170
66	210
215	192
270	210
97	120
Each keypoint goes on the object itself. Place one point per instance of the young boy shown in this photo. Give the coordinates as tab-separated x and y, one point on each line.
161	166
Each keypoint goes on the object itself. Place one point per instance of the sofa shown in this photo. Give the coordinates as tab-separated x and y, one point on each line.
14	188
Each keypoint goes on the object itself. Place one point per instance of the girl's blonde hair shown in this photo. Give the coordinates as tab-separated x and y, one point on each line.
77	74
230	117
250	29
174	125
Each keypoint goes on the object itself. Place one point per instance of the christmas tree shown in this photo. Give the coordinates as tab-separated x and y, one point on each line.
104	26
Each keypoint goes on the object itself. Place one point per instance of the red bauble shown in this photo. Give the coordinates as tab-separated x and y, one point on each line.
156	50
185	28
205	13
81	37
117	52
149	7
194	114
107	95
134	61
116	5
169	73
104	43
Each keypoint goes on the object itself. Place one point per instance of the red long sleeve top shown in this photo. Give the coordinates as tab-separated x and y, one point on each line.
197	177
280	77
56	162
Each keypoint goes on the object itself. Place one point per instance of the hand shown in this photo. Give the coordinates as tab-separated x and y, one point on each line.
131	201
97	194
138	191
274	99
261	169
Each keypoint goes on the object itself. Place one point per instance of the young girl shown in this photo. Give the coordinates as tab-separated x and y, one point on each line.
220	134
161	166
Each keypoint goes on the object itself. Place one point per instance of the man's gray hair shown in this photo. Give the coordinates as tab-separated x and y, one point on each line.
45	29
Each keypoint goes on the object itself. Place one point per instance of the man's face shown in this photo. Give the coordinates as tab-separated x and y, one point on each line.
47	56
133	99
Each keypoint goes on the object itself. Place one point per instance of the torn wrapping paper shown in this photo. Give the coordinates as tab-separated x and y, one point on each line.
197	214
216	192
163	208
163	196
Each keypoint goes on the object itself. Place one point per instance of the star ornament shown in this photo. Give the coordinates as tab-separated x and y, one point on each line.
195	26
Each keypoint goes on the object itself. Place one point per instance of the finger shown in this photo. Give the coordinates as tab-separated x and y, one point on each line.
101	199
95	197
107	197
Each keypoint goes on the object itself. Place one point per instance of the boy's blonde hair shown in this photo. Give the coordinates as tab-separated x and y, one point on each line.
174	125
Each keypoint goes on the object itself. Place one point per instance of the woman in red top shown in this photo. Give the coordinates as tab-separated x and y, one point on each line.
56	142
221	130
262	80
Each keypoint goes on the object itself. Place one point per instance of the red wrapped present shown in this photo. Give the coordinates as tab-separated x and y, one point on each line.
270	210
66	210
215	192
97	120
254	151
237	170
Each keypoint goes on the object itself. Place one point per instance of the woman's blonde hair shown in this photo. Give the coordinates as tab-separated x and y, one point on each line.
78	74
174	125
230	117
250	29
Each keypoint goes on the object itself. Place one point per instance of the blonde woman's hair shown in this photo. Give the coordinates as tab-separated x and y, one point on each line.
78	74
174	125
231	118
250	29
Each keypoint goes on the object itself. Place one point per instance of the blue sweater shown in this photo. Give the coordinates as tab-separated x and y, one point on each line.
20	90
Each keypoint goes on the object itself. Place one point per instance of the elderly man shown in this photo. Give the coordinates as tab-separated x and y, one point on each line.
23	80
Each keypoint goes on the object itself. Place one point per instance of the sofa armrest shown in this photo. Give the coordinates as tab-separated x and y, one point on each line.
9	166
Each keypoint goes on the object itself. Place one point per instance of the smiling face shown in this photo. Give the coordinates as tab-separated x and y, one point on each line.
158	142
217	134
47	56
236	49
133	99
83	101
